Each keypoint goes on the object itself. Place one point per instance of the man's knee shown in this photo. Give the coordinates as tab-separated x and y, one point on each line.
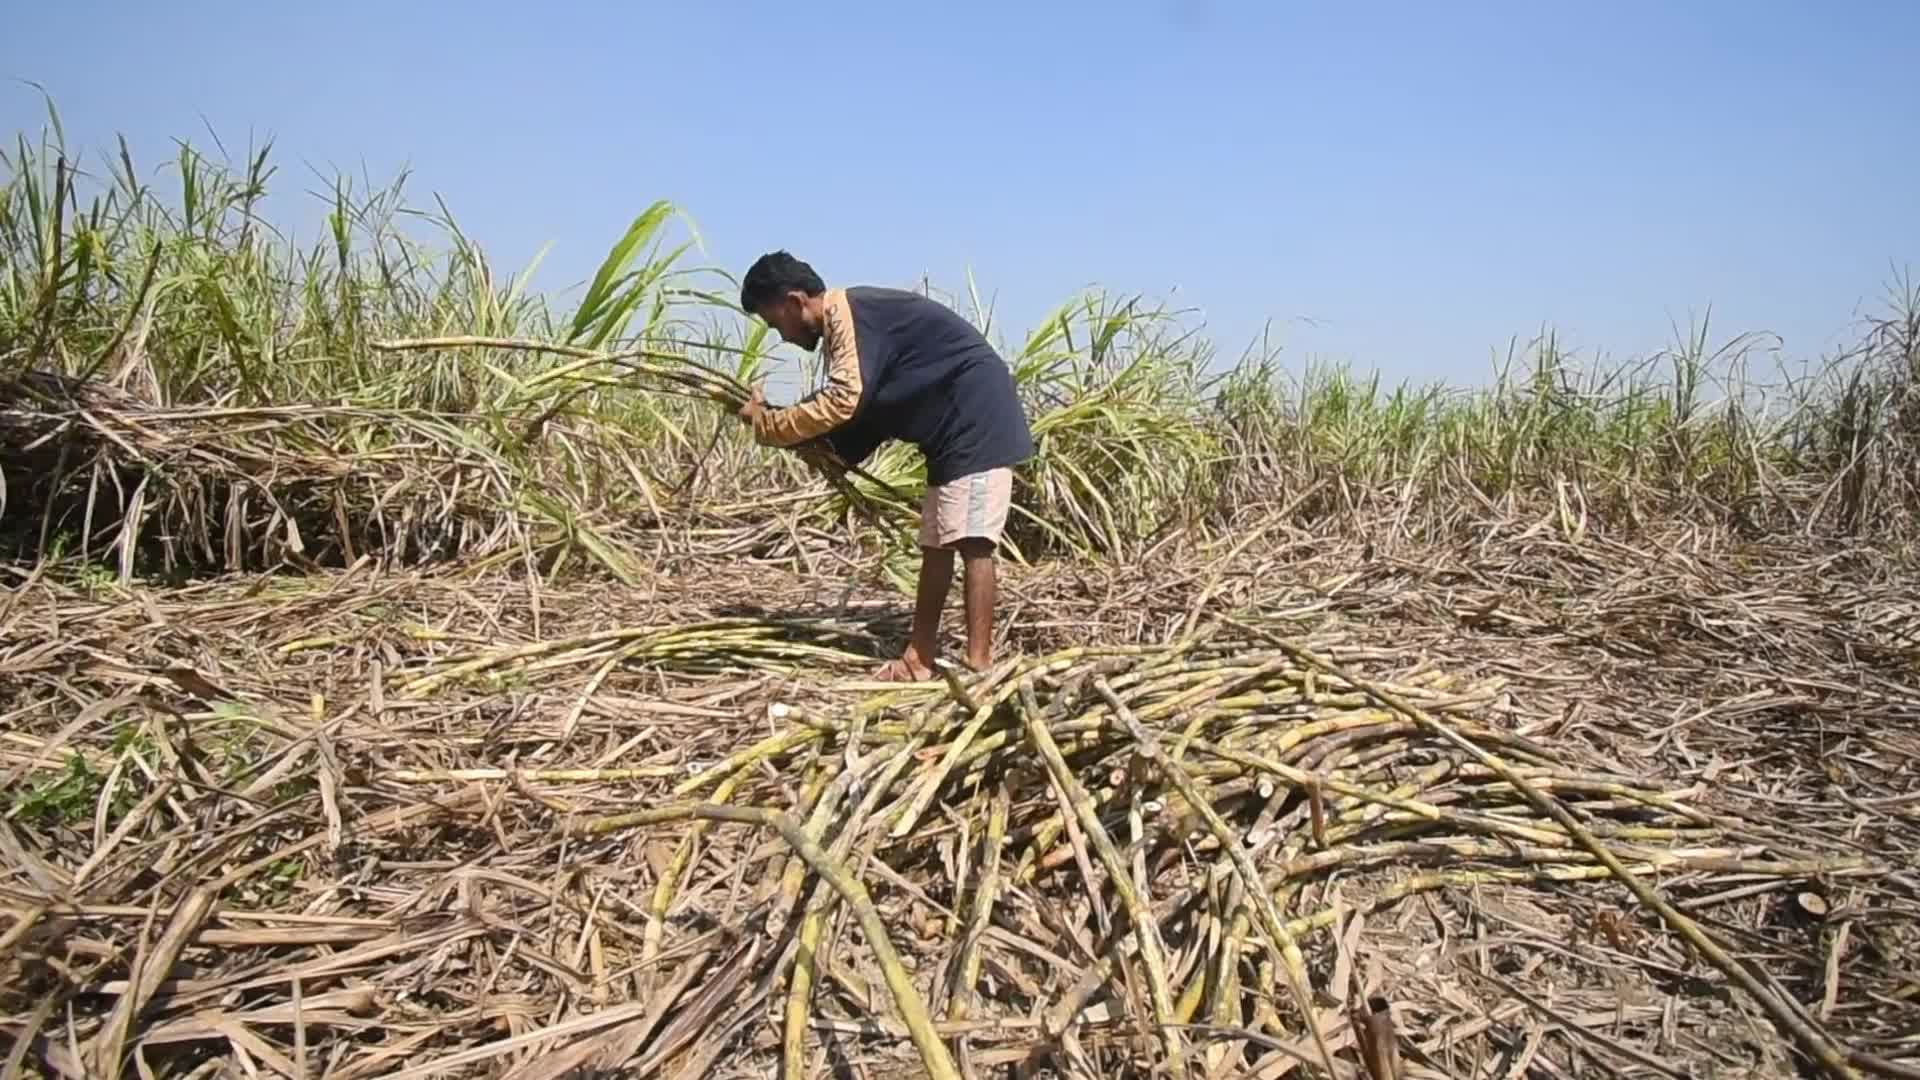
974	548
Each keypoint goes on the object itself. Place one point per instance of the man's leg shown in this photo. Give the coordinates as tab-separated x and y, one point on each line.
981	579
930	596
966	515
936	578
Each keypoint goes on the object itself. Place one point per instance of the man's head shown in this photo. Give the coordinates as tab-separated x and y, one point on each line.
787	295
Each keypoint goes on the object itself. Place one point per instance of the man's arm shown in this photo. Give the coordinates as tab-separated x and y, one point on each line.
834	405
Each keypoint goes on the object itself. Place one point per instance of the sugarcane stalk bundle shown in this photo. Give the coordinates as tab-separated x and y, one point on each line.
672	372
1178	807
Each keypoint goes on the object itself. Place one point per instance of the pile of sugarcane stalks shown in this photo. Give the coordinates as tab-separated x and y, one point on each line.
369	825
1109	857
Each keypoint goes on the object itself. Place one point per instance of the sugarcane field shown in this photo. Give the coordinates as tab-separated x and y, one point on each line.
408	673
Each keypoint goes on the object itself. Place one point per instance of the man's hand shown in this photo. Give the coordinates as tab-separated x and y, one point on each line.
816	451
755	406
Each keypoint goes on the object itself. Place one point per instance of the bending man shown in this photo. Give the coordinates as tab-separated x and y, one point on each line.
901	366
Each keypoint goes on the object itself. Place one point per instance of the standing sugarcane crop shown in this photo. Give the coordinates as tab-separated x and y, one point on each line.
902	366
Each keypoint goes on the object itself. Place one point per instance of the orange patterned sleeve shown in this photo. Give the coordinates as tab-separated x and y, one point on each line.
835	403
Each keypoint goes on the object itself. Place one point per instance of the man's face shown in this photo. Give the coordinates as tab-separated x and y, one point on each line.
788	316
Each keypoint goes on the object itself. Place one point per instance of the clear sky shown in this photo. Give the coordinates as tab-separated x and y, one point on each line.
1403	186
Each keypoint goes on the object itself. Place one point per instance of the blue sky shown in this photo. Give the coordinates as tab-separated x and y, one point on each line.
1402	186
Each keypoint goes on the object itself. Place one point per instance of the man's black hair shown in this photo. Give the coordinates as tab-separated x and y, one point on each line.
775	274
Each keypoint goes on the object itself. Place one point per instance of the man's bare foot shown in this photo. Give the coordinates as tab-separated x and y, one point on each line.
968	665
905	669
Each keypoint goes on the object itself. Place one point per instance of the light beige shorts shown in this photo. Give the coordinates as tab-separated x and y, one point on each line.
970	506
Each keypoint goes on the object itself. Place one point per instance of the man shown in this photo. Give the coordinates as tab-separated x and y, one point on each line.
901	366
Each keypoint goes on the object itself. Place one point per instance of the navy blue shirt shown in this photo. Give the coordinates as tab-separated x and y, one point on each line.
902	366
